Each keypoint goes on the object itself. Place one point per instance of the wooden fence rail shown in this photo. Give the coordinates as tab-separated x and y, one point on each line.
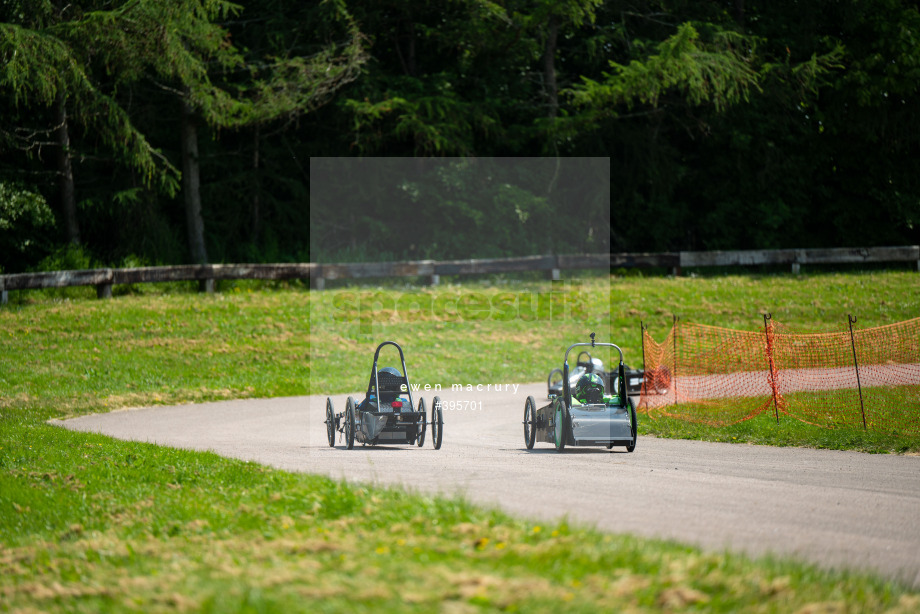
104	279
206	275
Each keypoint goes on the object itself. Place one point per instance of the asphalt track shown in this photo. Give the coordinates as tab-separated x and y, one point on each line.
836	509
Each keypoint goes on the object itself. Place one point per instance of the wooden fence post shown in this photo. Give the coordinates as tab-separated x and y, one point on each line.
674	376
768	331
851	320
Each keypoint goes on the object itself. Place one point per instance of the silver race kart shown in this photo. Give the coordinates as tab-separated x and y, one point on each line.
611	421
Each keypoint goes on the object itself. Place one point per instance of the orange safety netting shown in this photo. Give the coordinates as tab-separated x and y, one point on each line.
866	379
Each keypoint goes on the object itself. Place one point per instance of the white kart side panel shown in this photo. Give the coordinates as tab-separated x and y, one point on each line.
600	422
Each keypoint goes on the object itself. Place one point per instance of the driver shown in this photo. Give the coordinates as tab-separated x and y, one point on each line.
589	389
388	396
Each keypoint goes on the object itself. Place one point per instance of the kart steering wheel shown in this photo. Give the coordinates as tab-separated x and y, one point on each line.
589	365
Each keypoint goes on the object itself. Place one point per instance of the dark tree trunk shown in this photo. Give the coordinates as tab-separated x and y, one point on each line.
256	188
191	185
407	61
549	66
65	171
413	71
739	13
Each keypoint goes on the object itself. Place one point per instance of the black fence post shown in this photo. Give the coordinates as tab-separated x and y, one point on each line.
771	362
851	320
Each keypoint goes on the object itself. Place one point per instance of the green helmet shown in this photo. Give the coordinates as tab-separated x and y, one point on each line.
590	388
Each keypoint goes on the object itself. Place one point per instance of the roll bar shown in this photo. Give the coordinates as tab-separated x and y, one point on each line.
591	345
566	389
405	371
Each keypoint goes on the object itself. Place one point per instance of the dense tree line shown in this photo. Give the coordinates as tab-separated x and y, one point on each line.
142	132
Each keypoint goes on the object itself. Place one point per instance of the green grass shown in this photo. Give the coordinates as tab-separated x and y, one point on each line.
765	430
78	356
92	524
809	419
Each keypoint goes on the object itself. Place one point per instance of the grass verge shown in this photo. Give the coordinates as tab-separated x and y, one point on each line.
810	420
94	524
765	430
89	523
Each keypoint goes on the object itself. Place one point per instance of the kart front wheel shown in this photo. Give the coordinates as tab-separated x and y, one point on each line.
560	426
530	422
350	423
422	424
634	423
330	422
437	423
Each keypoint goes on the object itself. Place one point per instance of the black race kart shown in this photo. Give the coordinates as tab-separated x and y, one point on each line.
609	420
388	414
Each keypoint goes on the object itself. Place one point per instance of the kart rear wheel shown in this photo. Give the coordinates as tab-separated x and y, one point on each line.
560	426
437	423
634	424
530	422
330	422
422	424
350	423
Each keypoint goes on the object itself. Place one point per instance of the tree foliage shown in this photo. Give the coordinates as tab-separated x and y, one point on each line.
719	72
491	206
25	219
726	125
42	58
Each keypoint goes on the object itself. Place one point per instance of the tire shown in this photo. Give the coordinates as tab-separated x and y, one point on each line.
530	422
437	423
330	422
420	437
560	426
634	422
350	423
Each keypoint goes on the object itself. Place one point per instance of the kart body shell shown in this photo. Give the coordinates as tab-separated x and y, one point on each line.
566	421
635	378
